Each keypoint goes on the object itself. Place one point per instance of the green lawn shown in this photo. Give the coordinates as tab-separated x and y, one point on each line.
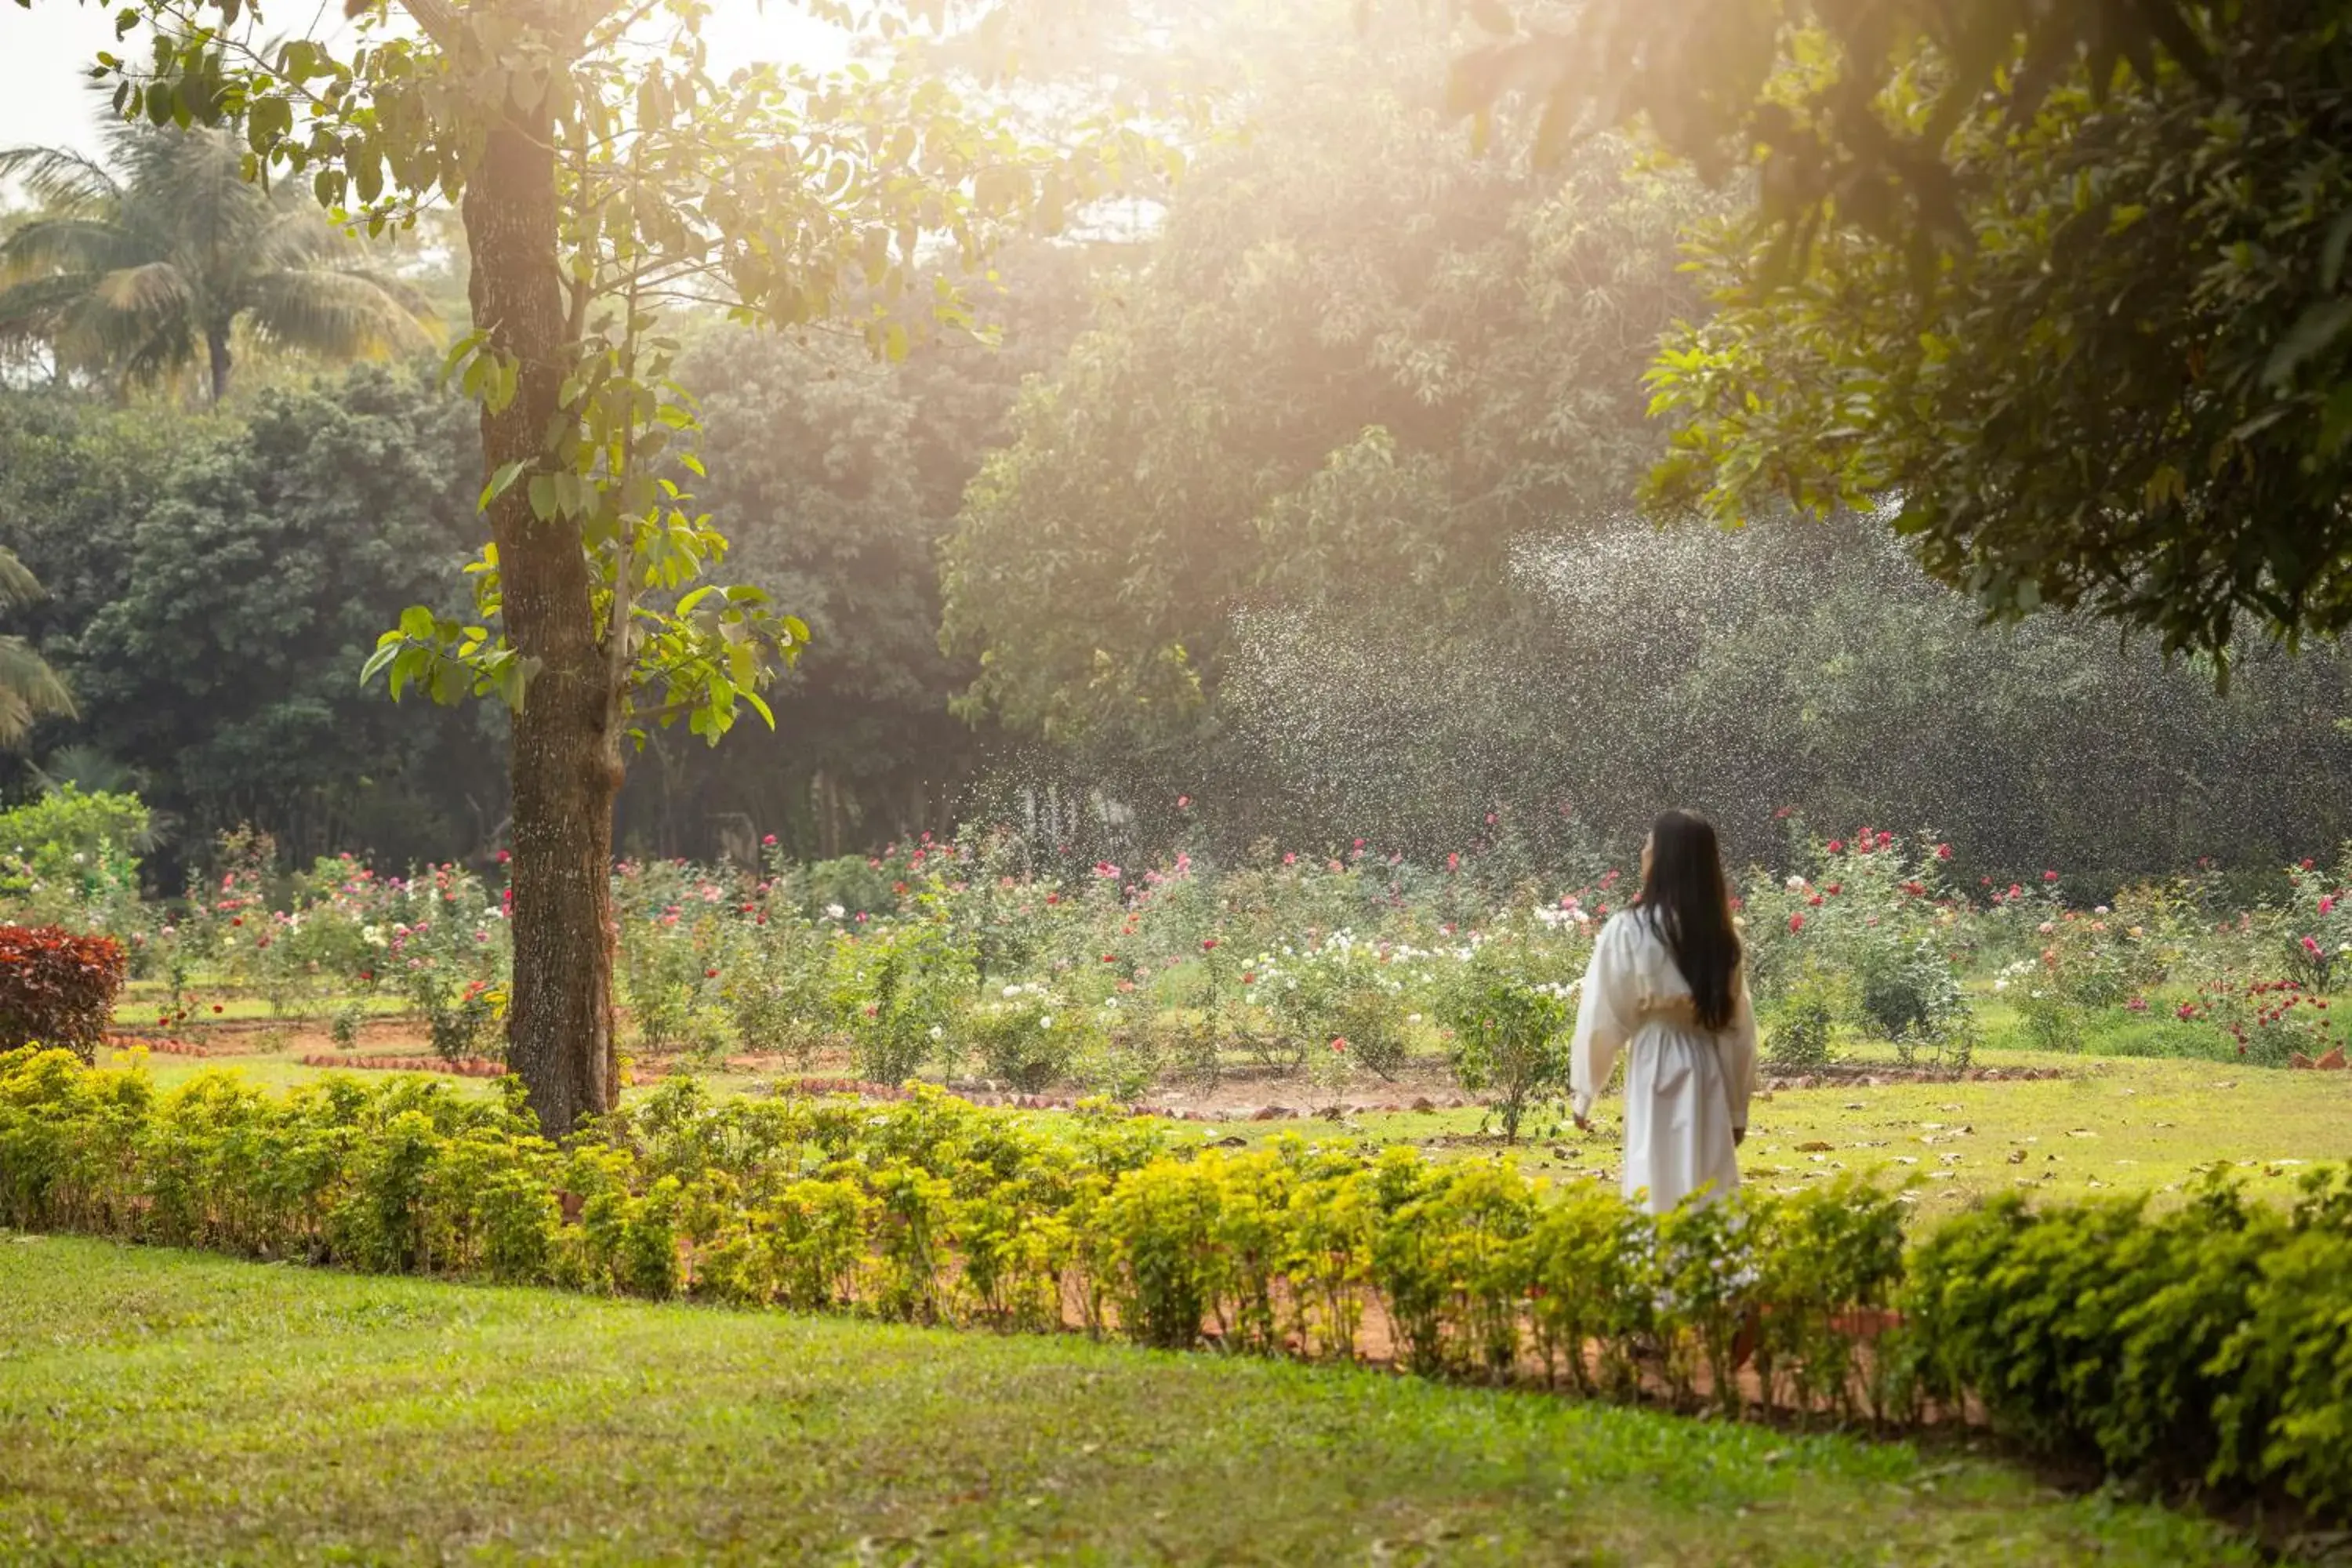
159	1406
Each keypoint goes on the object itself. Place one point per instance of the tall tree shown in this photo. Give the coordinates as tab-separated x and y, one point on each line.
138	267
216	581
605	173
1358	363
2062	284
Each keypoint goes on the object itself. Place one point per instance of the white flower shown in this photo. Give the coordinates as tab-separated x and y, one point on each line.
2100	910
1047	1022
1412	1018
833	911
1011	992
937	1032
1796	884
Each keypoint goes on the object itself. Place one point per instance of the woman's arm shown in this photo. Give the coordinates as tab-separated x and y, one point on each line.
1736	1046
1604	1004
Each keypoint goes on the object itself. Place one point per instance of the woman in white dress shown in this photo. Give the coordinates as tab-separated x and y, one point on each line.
1668	991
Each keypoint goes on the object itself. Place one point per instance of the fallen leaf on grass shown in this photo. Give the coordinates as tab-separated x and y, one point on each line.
1815	1148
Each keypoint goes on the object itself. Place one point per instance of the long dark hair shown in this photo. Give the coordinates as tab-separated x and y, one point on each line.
1689	900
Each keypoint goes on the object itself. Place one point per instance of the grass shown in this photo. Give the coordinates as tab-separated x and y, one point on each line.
2109	1126
169	1407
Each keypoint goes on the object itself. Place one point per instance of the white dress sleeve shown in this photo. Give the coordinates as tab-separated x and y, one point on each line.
1737	1048
1607	1006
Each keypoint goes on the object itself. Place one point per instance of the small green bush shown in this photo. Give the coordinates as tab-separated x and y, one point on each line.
1511	1023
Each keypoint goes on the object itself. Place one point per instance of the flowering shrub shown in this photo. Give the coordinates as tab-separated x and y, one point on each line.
669	970
895	991
69	859
1341	988
1511	1013
772	979
1178	965
449	958
1869	937
2273	1022
56	988
2319	945
1805	1015
1027	1035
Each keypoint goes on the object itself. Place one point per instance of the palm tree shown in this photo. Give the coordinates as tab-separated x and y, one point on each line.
29	690
142	269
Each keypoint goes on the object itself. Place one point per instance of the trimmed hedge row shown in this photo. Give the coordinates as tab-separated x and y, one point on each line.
2210	1346
2213	1344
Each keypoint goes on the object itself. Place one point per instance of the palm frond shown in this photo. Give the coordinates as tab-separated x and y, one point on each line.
35	308
59	177
156	288
149	261
71	244
29	691
328	311
206	203
18	587
140	349
299	236
17	720
94	772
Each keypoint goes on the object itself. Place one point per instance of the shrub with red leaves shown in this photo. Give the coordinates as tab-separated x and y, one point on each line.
56	988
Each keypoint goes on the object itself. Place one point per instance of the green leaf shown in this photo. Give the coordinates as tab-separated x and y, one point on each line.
2314	333
500	482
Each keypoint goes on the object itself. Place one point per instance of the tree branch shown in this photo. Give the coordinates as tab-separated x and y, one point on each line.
436	18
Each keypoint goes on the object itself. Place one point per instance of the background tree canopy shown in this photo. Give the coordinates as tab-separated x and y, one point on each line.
1312	497
217	584
2065	283
1361	360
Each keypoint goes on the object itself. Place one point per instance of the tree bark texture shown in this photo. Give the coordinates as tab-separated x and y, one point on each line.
566	773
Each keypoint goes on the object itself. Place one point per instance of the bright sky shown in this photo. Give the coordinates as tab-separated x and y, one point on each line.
45	53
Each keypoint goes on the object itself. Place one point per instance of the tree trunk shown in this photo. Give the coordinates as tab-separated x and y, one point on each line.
565	771
219	360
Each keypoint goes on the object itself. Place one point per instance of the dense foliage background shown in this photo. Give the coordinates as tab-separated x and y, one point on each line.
1308	502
